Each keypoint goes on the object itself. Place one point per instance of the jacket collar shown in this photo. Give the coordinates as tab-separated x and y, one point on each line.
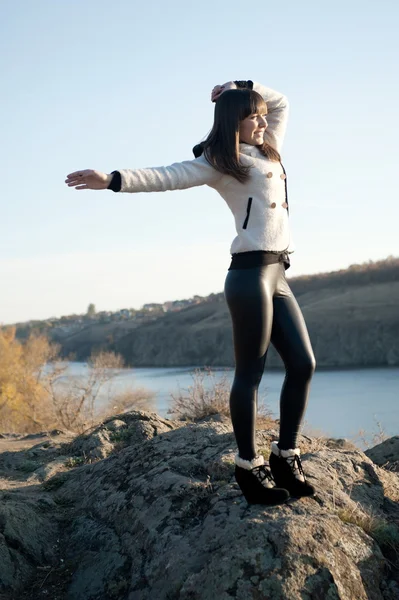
249	149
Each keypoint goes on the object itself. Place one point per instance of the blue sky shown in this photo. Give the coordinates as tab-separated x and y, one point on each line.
126	84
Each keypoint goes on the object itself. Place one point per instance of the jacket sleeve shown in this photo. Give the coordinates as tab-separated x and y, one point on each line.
178	176
277	109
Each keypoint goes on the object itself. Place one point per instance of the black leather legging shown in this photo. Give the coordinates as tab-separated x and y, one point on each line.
263	309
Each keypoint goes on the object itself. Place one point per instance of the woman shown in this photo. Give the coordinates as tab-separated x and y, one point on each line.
240	159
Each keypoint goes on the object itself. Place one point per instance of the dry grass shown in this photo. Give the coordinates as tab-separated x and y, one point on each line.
201	399
207	397
356	515
385	533
362	440
367	439
133	398
318	438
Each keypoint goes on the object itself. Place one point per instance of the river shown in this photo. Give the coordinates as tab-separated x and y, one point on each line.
342	403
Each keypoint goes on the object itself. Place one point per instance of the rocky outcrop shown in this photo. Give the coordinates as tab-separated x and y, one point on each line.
146	508
386	454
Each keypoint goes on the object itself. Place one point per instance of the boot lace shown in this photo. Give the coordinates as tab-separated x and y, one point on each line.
296	467
263	475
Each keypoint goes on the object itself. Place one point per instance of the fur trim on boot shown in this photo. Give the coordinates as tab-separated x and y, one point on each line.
249	464
290	456
288	472
256	482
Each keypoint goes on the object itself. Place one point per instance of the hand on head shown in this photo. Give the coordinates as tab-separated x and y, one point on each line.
219	89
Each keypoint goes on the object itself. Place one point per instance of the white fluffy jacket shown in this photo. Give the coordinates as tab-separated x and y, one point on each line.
258	205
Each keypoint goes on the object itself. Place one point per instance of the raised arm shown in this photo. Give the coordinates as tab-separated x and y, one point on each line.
277	107
178	176
277	115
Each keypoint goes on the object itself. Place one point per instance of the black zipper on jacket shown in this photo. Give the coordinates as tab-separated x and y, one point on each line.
286	190
248	211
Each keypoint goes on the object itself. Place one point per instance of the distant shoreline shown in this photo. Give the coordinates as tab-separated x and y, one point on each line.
267	368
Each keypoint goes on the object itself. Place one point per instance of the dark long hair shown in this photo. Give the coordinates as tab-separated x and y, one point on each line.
221	147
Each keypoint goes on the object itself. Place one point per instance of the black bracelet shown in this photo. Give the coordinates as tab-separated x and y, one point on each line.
242	84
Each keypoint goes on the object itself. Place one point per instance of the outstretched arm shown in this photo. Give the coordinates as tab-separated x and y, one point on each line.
178	176
277	108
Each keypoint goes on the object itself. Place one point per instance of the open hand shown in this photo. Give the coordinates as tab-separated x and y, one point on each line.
88	180
219	89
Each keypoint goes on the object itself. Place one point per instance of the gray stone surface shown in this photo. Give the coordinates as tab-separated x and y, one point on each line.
386	454
156	514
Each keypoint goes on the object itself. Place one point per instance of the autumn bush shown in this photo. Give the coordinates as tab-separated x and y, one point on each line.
24	404
37	394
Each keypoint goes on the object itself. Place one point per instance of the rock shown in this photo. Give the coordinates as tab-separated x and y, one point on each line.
161	517
191	534
27	538
339	444
43	434
49	470
134	427
34	436
115	424
386	454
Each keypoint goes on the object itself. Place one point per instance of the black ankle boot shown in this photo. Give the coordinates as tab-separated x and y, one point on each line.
288	473
256	482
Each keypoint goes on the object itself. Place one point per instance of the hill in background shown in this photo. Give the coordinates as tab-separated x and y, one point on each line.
352	316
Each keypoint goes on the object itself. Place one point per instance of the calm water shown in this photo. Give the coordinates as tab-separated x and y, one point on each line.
341	403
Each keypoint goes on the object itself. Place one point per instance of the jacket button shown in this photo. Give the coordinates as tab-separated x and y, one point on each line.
270	174
273	205
284	205
283	176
